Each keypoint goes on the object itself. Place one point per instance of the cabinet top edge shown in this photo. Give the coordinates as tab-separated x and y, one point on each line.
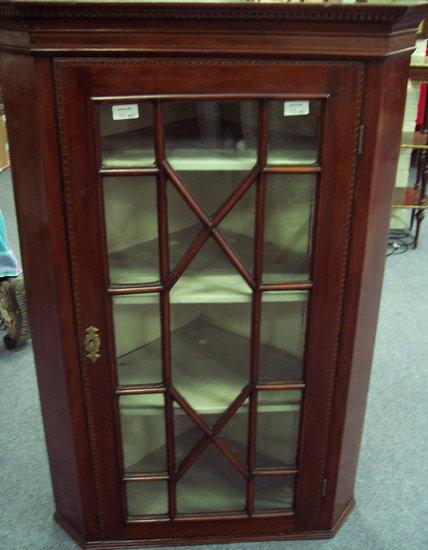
363	31
406	16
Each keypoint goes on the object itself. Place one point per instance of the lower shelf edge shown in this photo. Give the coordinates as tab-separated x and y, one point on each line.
111	545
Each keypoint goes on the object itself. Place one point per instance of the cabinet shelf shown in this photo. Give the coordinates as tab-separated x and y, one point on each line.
207	382
220	487
185	441
134	150
210	485
214	280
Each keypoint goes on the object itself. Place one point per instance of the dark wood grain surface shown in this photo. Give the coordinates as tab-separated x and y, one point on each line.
57	59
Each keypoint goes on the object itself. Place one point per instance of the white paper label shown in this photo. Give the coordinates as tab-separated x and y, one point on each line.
296	108
124	112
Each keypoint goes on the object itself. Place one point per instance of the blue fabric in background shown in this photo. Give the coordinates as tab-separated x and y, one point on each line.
9	266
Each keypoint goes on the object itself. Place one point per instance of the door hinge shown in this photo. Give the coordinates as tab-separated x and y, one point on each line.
324	487
361	140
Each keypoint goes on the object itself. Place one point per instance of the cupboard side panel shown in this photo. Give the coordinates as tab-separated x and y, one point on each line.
383	113
30	109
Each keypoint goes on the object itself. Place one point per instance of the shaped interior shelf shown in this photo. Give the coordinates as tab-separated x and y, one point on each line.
210	282
135	150
210	485
216	482
184	442
207	382
132	149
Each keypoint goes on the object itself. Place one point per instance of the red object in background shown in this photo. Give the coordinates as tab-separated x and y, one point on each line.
421	104
411	196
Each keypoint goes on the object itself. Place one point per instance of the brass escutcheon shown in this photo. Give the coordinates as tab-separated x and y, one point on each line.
92	344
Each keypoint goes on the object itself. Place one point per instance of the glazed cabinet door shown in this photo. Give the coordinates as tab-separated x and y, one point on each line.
208	204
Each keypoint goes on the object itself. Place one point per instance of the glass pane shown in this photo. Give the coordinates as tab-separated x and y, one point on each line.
294	129
278	414
238	228
235	433
187	433
211	135
211	278
147	498
210	192
210	303
137	332
127	135
131	219
282	337
183	225
274	493
212	484
142	422
290	204
211	188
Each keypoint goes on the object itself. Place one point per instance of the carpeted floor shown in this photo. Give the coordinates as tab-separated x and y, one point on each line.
392	487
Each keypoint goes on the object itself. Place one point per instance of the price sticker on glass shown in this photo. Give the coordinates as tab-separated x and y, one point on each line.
125	112
296	108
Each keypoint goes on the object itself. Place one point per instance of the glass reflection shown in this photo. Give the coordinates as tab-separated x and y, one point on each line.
294	132
137	332
282	337
278	415
274	493
148	498
127	135
211	135
130	210
142	420
290	205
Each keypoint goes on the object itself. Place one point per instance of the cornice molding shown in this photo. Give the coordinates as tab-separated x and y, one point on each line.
342	13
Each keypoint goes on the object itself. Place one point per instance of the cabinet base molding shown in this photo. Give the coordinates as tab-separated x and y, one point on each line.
111	545
69	529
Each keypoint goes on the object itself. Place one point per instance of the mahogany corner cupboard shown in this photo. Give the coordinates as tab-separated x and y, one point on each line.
203	194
